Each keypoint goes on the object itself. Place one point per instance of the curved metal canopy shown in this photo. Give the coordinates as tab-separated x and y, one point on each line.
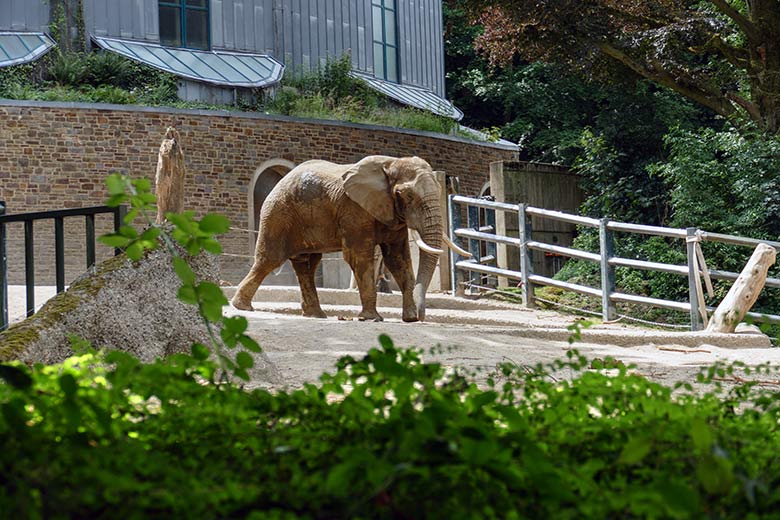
413	96
22	47
231	69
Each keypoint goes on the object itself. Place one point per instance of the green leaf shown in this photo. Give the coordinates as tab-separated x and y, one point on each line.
68	385
113	240
183	271
116	184
211	245
15	376
701	435
211	311
128	231
385	341
142	185
244	360
250	344
187	295
634	450
214	223
135	251
679	499
200	351
116	200
212	293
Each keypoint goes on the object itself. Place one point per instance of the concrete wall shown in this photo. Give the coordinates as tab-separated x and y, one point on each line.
56	155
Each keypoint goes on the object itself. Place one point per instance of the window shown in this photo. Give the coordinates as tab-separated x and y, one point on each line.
385	46
184	23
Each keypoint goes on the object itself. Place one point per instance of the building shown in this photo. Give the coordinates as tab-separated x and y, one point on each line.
221	48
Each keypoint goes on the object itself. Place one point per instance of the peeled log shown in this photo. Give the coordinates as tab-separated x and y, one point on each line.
744	292
170	175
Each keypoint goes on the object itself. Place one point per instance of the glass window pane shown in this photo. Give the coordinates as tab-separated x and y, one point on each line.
390	27
197	29
197	3
390	4
379	60
170	26
392	65
376	2
377	21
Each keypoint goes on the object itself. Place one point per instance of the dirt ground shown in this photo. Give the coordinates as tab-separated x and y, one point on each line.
476	335
303	348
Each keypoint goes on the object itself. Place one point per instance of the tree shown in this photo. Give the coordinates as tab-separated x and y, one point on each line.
722	54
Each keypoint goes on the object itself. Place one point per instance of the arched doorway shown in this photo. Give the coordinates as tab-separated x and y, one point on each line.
263	181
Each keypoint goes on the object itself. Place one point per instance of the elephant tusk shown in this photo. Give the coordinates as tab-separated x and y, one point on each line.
425	247
455	247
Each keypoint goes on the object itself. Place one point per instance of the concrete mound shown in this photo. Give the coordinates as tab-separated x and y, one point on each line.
122	305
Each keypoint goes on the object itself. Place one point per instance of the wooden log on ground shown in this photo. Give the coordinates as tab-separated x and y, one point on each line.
744	292
170	175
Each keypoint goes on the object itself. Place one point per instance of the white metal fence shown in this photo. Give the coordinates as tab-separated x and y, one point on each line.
483	238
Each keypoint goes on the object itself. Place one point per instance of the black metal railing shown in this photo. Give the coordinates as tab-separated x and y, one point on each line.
58	216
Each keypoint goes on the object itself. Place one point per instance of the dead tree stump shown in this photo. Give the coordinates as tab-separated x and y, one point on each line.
744	292
170	175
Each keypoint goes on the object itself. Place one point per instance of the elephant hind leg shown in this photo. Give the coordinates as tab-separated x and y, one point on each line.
305	266
248	287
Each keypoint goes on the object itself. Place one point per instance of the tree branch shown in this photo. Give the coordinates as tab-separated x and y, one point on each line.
736	56
714	101
750	108
747	26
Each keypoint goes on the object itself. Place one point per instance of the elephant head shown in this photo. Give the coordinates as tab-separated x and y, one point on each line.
402	191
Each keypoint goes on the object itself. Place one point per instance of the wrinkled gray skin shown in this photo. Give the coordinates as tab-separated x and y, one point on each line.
322	207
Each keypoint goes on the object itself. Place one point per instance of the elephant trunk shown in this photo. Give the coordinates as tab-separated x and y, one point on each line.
430	233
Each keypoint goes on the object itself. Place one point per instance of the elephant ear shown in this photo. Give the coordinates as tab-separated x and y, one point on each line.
366	183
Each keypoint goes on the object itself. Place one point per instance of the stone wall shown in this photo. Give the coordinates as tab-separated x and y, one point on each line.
56	155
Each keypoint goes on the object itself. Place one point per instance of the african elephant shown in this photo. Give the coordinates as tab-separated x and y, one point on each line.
322	207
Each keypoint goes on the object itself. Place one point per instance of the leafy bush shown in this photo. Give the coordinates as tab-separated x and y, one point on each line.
384	436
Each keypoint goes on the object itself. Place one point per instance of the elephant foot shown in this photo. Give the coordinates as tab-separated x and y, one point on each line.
409	315
370	316
314	313
241	304
410	319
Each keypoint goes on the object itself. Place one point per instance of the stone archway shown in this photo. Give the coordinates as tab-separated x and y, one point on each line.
263	181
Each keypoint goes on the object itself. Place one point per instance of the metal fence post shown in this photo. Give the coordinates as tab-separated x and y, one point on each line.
59	253
3	274
607	250
693	280
526	260
89	236
119	220
472	222
453	212
29	266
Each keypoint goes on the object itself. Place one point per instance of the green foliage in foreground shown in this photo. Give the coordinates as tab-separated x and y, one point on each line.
385	436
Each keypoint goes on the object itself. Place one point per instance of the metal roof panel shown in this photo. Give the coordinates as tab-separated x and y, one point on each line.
413	96
223	68
22	47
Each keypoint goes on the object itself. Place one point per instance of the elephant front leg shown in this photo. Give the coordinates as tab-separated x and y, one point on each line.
399	261
305	266
362	263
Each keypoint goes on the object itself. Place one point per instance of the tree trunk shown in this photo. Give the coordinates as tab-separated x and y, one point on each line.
170	176
764	70
744	292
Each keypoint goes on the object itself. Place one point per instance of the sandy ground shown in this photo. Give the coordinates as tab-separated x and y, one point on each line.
475	335
303	348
